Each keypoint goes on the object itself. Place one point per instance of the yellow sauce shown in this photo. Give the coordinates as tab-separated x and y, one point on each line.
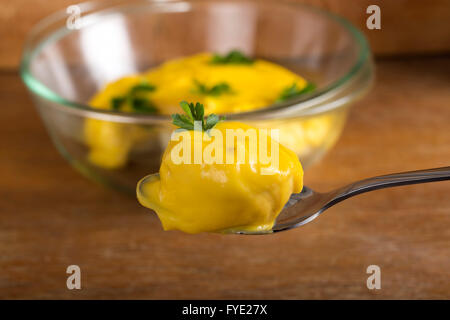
222	197
251	86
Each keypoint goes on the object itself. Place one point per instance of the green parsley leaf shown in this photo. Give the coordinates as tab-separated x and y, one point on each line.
117	102
233	57
194	113
142	87
293	91
182	121
211	121
199	111
142	105
137	103
215	90
187	109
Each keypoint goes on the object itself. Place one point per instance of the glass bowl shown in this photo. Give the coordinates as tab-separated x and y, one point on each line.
66	61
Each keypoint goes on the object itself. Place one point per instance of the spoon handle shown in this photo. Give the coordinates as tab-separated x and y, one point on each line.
390	180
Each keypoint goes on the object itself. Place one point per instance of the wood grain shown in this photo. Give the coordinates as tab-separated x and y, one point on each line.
51	217
408	26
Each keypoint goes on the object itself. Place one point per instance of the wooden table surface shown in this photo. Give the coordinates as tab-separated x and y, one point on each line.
52	217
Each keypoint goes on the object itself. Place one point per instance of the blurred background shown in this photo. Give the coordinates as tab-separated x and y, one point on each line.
52	217
408	26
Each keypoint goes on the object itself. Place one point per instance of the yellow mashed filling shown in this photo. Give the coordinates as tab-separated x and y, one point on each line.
248	87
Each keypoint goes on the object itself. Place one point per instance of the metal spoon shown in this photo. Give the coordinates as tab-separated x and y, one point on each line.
307	205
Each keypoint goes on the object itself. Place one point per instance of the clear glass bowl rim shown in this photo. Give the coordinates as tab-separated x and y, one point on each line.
320	101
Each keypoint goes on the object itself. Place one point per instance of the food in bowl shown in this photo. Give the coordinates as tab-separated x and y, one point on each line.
64	68
228	83
220	190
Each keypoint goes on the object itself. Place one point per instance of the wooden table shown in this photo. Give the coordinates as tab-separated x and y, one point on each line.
52	217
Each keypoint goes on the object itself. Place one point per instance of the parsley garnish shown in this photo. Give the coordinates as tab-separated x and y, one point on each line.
117	102
293	91
194	113
137	103
215	90
233	57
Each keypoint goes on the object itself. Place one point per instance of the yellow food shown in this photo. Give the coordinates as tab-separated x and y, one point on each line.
222	197
110	143
251	86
